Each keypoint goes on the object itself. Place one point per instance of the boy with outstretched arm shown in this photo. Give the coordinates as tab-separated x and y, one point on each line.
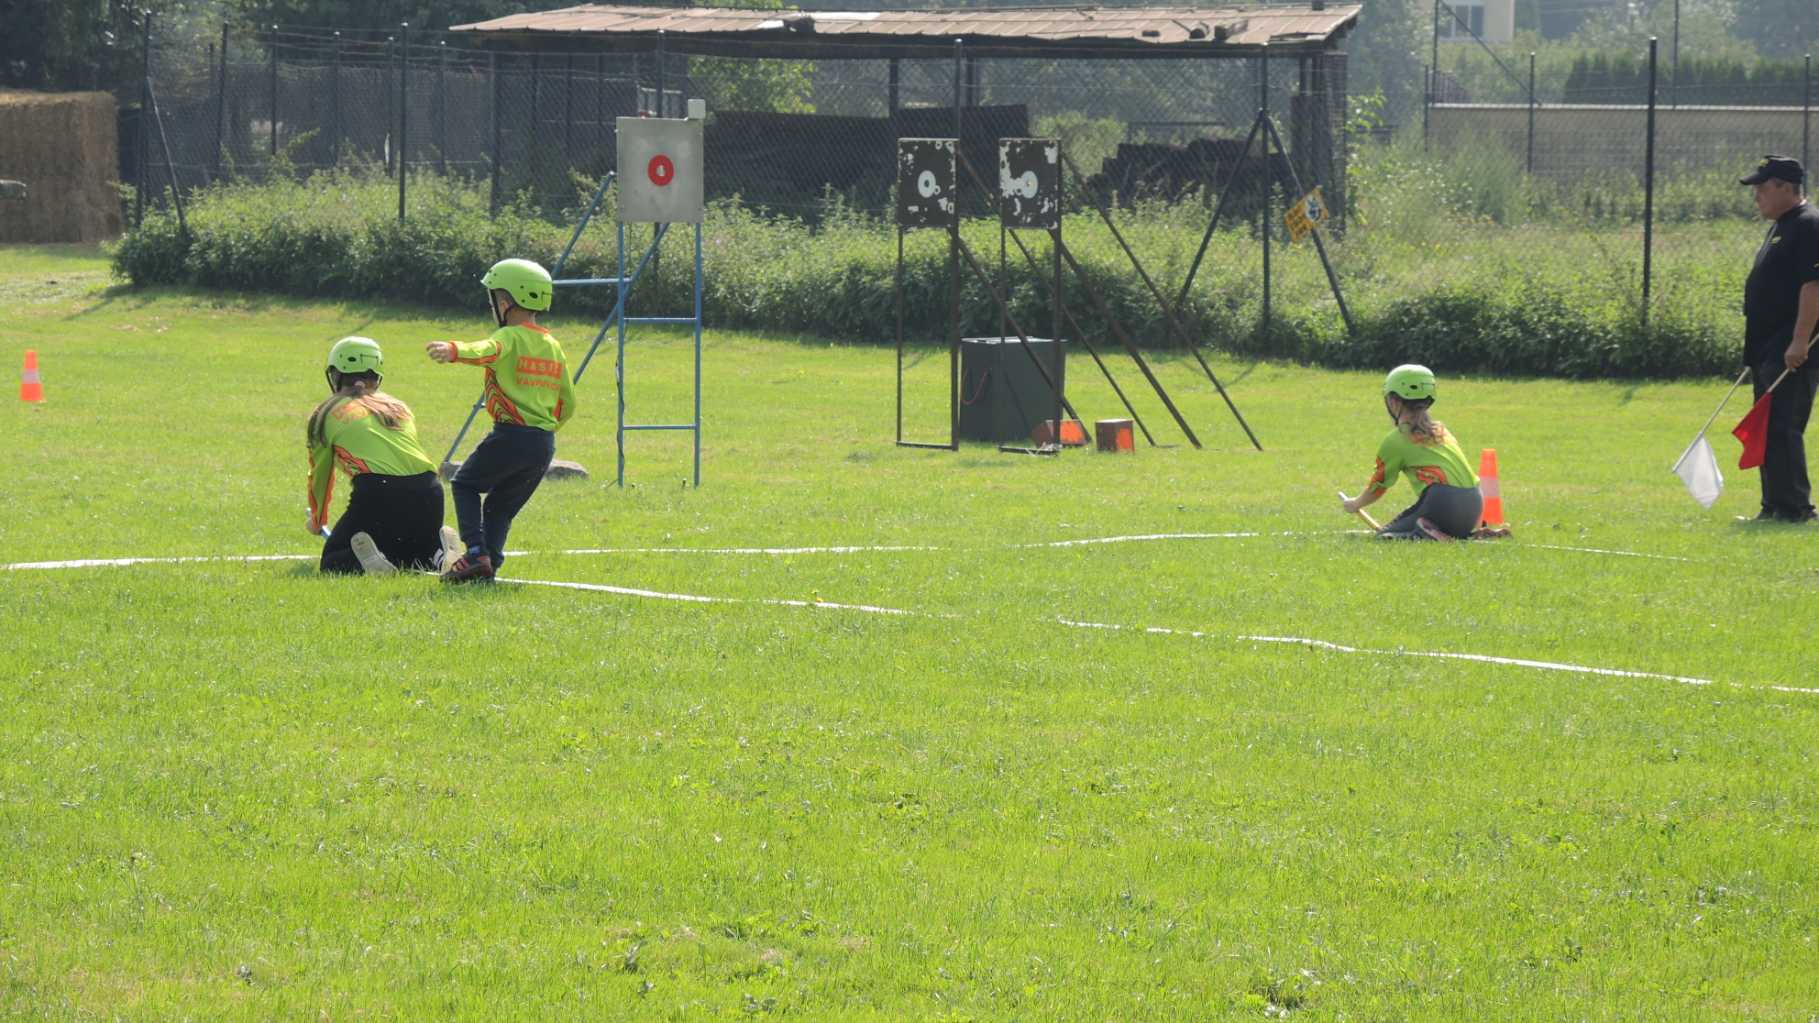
528	394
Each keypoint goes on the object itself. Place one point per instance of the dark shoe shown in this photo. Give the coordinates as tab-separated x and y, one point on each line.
1432	531
470	568
1797	517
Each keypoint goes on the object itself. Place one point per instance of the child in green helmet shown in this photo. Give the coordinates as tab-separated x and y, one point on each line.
1448	505
394	517
528	394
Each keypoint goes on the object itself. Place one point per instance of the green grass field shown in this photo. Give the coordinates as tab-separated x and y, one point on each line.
239	790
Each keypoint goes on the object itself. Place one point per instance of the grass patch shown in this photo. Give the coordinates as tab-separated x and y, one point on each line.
243	791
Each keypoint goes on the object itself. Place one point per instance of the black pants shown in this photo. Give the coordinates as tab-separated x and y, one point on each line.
1786	491
506	467
1456	510
403	515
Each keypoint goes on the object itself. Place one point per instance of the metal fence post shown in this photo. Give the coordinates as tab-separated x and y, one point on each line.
1263	114
404	109
492	71
220	104
140	165
1648	185
272	62
959	59
442	107
334	105
1530	166
1673	89
1806	116
1427	102
1433	77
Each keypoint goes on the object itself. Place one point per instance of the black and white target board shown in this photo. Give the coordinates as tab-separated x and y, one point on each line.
1029	182
659	170
926	173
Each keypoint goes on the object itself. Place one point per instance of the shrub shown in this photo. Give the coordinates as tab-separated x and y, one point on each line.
1423	281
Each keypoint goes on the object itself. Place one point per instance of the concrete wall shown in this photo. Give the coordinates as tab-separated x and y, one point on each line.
1571	141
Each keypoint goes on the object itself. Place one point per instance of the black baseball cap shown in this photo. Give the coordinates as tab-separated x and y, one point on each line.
1780	168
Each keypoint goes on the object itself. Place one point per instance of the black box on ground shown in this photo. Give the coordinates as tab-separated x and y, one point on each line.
1002	394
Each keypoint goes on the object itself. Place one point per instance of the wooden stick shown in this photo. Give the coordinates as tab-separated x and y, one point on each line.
1361	513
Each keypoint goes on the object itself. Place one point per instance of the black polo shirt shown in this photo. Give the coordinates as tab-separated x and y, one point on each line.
1788	258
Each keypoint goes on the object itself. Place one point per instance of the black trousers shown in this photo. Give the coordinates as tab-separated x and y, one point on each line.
1786	490
403	515
507	467
1456	510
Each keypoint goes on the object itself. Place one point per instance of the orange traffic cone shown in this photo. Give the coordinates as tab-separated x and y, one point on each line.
31	389
1490	488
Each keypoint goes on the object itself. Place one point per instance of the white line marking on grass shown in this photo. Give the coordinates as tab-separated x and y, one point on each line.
788	551
1153	630
1341	648
24	566
695	598
1615	553
1158	630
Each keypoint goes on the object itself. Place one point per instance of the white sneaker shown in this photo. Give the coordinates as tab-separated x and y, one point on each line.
367	553
452	549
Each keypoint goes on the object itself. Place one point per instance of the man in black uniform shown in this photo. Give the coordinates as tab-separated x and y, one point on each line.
1781	311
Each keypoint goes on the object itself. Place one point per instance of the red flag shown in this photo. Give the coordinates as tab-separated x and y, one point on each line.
1753	432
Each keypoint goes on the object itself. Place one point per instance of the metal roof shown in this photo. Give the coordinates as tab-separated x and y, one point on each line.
1027	31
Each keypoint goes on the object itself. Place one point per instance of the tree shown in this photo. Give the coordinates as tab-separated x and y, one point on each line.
1779	28
1387	54
61	45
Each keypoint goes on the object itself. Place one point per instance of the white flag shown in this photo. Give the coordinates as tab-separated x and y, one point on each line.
1698	469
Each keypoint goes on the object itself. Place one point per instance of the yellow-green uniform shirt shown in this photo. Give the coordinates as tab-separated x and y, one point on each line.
1440	461
357	440
526	376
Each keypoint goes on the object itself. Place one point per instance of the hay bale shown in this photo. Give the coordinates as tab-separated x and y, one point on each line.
67	146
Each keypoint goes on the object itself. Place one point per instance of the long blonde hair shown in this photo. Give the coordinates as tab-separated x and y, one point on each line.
366	393
1413	420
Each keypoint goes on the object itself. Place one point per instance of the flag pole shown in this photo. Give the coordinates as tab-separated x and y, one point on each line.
1727	400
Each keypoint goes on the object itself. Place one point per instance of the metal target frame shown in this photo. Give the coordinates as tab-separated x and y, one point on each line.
925	200
688	209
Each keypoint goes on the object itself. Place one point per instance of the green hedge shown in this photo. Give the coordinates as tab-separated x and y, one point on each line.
1602	78
1422	283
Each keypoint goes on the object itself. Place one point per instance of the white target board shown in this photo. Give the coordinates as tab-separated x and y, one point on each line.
925	182
659	170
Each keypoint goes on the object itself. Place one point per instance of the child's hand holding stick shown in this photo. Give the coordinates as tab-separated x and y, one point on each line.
1360	512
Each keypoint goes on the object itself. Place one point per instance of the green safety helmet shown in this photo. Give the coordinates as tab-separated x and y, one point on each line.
527	282
1410	382
356	355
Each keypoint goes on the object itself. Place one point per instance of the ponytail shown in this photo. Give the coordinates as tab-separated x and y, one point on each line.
1420	427
364	388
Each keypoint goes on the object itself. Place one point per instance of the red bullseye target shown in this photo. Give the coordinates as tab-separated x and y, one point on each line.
661	171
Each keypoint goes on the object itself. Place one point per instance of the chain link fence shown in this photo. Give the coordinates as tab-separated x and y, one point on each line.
1622	180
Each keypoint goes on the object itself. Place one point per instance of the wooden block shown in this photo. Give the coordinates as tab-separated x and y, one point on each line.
1073	433
1114	435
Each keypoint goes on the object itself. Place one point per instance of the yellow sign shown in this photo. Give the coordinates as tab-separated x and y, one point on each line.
1306	215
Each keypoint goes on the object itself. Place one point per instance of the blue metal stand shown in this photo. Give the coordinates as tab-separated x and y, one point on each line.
587	217
618	318
693	427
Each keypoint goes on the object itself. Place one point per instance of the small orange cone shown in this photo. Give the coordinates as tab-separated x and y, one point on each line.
1490	488
31	389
